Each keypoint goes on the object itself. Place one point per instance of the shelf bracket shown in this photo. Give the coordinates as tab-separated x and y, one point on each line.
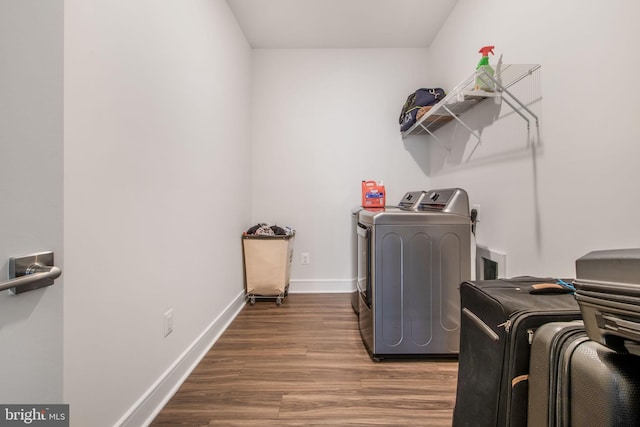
455	116
514	98
442	144
514	108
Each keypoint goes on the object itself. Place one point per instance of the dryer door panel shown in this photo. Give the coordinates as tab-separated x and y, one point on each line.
450	278
390	288
416	272
419	294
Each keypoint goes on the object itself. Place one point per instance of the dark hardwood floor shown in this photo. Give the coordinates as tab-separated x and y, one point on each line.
304	364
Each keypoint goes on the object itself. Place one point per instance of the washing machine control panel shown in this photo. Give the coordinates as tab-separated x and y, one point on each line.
411	200
436	199
451	200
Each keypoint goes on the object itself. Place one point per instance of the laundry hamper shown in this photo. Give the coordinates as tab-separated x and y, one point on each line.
267	266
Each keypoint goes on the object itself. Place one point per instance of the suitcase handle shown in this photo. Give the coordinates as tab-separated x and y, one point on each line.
560	287
614	323
483	326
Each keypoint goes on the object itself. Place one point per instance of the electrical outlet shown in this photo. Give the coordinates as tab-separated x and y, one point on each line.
168	322
306	258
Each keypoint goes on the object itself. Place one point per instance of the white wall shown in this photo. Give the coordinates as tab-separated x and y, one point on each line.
577	190
156	136
158	107
324	120
31	62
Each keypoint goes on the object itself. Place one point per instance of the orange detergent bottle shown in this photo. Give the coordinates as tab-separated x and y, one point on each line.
373	194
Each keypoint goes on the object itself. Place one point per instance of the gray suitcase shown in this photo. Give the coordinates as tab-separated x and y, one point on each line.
574	381
608	292
548	349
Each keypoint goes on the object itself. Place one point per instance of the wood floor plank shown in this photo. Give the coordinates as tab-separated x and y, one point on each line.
304	364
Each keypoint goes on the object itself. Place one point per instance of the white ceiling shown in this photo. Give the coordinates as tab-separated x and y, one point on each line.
291	24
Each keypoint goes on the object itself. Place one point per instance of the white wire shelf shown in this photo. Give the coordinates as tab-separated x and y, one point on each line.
464	96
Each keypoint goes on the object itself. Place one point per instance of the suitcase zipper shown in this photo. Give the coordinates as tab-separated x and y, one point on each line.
506	325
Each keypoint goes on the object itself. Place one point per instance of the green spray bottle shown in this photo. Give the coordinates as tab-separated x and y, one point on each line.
482	82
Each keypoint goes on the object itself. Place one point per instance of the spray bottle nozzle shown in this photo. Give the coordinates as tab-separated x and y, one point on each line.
486	50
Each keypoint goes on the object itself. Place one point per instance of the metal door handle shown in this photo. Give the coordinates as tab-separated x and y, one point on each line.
31	272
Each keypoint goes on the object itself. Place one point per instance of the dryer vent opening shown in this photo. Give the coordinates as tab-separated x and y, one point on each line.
490	265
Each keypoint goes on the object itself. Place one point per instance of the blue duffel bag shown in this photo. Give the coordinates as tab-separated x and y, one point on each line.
418	99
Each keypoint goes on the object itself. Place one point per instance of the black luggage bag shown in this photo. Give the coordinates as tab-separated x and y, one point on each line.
497	324
608	292
574	381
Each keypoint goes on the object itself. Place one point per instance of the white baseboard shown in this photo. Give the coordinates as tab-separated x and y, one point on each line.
321	286
143	412
156	397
